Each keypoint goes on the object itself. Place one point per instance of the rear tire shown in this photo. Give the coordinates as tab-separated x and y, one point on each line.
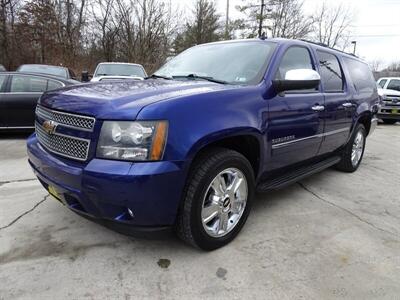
354	150
210	218
389	121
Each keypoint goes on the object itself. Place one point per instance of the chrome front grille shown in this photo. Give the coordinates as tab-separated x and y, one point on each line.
67	146
66	119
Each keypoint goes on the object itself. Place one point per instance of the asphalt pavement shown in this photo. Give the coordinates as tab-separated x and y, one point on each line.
332	236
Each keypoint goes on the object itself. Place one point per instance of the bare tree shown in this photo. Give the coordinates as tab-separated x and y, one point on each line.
105	18
332	25
288	20
281	18
8	10
375	65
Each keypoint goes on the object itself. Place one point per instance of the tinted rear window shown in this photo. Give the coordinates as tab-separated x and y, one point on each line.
331	73
361	76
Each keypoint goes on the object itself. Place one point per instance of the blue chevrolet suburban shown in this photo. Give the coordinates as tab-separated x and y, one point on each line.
187	148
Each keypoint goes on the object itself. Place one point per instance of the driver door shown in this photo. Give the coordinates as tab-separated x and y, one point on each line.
295	117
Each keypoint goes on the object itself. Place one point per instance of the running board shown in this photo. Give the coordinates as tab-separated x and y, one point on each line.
296	175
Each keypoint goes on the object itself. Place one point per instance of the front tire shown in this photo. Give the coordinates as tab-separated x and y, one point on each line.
354	150
217	199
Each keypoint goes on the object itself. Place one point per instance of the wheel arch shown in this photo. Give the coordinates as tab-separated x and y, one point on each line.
246	141
365	119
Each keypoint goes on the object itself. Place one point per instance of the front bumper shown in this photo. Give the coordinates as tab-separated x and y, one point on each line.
134	196
389	112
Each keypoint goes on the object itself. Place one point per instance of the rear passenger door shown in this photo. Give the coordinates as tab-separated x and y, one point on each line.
21	99
339	107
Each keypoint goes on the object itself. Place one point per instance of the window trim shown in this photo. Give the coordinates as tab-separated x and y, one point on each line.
344	82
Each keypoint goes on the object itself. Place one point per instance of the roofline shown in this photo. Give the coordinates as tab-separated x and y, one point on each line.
119	63
43	65
279	40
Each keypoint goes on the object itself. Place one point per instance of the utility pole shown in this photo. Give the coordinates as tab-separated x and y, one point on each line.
227	20
355	44
261	18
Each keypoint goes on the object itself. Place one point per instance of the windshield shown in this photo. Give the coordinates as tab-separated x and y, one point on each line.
50	70
235	62
119	70
394	84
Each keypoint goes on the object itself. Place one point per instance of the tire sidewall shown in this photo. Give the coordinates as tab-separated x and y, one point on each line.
199	233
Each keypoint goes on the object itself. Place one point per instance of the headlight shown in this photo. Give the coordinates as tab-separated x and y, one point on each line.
134	141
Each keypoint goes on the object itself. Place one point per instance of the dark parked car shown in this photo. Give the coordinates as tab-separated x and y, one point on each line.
19	93
57	71
2	68
187	148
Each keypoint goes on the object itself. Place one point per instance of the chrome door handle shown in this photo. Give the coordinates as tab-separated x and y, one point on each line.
318	108
347	104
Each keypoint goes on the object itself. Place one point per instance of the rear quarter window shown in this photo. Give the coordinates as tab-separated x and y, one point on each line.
361	76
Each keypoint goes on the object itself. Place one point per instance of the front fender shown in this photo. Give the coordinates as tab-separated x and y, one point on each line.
198	120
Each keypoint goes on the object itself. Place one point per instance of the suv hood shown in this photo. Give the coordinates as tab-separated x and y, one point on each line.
122	100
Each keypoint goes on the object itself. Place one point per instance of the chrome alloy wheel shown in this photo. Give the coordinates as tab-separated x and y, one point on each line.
224	202
357	150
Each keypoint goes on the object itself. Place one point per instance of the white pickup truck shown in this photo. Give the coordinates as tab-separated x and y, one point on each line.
117	71
389	90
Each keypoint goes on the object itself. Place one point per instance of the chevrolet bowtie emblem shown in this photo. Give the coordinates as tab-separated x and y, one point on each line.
50	126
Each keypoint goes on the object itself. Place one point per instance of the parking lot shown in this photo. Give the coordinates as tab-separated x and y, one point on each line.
331	236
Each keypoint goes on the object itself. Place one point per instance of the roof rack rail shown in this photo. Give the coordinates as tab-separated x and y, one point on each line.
326	46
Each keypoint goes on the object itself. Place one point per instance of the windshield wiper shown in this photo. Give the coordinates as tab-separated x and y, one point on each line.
208	78
159	76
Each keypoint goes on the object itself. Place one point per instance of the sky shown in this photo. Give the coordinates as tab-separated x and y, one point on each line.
375	26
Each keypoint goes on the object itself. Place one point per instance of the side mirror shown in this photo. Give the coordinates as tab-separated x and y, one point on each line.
85	76
298	79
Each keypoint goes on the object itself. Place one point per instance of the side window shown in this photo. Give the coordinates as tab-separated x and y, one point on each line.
331	73
294	58
382	82
28	84
2	80
394	84
52	85
361	75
